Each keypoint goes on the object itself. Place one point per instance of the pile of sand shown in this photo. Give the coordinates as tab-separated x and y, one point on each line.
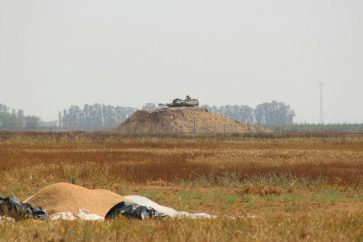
65	197
182	121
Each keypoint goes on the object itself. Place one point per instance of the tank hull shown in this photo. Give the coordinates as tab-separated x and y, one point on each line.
183	104
187	102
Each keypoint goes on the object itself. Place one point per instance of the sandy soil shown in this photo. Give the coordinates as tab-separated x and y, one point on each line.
65	197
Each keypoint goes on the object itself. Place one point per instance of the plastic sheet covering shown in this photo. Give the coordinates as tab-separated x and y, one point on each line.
12	207
144	201
83	215
62	216
4	220
132	210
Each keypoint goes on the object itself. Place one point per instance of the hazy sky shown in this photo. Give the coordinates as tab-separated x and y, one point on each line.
54	53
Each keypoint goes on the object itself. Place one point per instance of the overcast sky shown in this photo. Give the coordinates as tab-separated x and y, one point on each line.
55	53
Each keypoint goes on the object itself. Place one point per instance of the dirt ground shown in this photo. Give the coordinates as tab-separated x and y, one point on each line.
277	188
183	121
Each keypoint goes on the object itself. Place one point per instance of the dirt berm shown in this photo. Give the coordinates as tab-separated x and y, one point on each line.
183	121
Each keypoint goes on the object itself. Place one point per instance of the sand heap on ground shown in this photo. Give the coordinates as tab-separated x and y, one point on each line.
182	121
65	197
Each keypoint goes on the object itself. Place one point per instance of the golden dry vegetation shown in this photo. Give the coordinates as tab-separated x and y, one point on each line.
291	188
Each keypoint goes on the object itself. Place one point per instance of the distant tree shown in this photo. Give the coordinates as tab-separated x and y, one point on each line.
6	120
60	119
31	122
16	120
20	118
3	108
213	109
274	113
242	114
149	107
94	117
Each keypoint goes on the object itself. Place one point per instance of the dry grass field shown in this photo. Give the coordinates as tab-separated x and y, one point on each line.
278	188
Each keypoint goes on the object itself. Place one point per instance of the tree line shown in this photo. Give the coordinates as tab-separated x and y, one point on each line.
276	115
267	113
93	117
16	119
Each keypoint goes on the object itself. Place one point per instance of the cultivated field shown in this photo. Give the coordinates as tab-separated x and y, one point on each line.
277	188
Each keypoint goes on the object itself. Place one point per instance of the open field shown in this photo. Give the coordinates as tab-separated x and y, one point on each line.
279	188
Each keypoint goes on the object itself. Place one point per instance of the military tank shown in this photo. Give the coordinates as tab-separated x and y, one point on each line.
187	102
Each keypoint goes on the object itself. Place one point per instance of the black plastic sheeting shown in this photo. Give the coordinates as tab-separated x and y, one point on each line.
132	210
12	207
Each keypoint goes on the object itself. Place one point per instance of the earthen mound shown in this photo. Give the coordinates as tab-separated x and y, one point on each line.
65	197
182	121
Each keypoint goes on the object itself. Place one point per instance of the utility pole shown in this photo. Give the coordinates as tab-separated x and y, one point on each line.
321	112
